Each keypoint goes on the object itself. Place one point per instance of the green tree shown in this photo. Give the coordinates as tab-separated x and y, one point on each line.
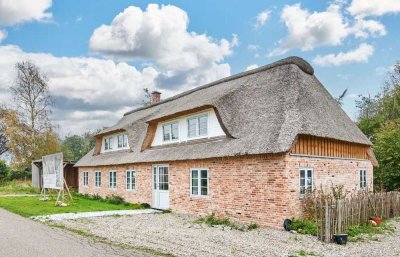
4	170
387	149
75	147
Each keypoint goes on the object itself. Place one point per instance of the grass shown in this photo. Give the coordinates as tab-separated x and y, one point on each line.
359	233
104	240
17	187
304	227
305	253
211	220
32	206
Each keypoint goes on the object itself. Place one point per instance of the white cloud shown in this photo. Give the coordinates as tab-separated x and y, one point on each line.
159	33
364	28
252	67
361	54
364	8
3	35
13	12
89	93
262	18
309	30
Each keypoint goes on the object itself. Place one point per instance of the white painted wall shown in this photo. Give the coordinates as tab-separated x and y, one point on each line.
214	128
114	143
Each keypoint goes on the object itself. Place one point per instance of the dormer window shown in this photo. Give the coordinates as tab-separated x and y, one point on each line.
170	131
108	143
198	126
123	141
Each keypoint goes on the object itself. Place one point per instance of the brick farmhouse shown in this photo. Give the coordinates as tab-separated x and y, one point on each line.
247	147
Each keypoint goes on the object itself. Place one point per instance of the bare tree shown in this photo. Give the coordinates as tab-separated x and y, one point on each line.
3	137
147	97
31	93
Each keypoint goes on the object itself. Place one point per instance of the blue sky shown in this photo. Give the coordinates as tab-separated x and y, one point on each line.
99	55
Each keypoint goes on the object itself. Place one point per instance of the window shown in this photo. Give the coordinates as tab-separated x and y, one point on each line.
97	178
122	141
198	126
363	179
130	180
306	181
170	132
85	178
199	182
108	143
113	179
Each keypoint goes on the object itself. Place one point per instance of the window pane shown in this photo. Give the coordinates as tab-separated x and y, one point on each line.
110	143
309	181
195	190
192	127
309	173
204	191
120	139
195	173
203	125
106	143
166	132
302	182
204	182
203	173
195	182
302	190
175	131
125	144
302	173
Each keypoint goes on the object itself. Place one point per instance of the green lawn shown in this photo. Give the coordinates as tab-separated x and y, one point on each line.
32	206
17	187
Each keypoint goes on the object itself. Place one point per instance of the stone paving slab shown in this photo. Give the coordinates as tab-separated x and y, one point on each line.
71	216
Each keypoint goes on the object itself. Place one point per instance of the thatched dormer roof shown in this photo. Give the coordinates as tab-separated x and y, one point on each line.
262	111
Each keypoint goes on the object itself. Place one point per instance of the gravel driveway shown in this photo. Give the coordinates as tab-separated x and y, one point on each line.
178	235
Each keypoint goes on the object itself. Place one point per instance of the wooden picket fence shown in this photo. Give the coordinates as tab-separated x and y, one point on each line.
335	216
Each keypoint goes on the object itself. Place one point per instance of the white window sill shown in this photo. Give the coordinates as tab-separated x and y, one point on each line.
200	196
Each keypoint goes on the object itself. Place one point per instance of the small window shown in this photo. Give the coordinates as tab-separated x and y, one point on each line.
130	180
85	178
108	143
170	132
198	126
113	179
306	181
363	179
97	178
122	141
199	182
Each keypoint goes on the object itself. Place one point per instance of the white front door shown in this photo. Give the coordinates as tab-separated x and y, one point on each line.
160	187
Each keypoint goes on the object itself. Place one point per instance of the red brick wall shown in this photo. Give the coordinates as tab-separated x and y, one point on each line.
262	189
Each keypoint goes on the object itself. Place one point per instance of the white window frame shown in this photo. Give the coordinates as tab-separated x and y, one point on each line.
110	141
363	178
306	169
124	141
85	178
97	179
112	184
170	125
132	186
199	183
198	125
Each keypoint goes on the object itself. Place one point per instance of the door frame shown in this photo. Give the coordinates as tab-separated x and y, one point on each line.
155	191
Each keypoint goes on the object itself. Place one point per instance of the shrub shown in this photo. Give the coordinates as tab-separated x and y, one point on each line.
305	227
115	199
252	226
211	220
145	205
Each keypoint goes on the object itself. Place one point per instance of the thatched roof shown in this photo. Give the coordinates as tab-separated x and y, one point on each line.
263	110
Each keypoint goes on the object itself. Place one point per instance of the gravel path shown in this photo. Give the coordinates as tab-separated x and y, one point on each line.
177	234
